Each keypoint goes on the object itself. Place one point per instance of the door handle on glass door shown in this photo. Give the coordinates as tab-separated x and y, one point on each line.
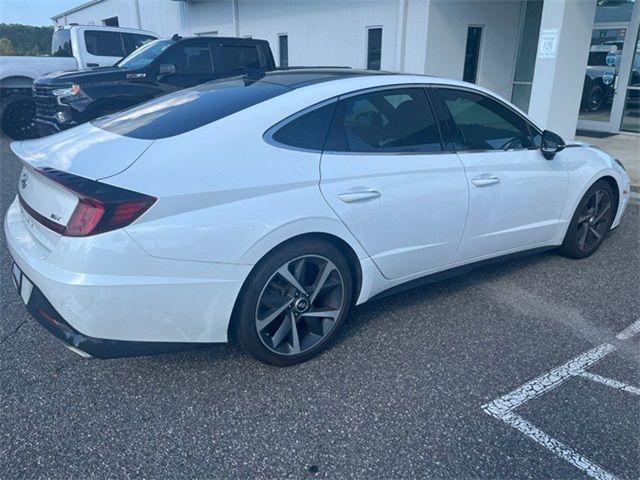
485	181
351	197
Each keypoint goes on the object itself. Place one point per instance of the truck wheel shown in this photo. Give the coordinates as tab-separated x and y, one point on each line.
18	117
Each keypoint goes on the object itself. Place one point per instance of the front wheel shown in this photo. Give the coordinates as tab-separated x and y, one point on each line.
590	223
18	117
293	302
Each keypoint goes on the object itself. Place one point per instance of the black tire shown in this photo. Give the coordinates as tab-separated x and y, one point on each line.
18	117
590	222
595	98
262	283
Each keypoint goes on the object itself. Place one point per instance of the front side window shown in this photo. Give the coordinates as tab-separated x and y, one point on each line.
236	57
193	58
483	123
104	44
391	120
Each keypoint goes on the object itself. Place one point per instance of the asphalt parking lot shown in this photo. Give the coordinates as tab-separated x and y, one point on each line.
525	369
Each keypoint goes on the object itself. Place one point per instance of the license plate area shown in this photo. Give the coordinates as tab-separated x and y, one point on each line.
22	283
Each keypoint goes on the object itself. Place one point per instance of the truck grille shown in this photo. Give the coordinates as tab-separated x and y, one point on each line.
46	102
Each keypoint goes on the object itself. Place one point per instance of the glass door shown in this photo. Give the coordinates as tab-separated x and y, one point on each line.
631	112
601	77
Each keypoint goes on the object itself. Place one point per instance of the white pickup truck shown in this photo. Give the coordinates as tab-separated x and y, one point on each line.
72	47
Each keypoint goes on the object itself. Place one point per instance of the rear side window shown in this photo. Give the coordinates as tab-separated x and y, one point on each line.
308	130
485	124
186	110
61	43
104	44
390	120
133	41
193	58
236	57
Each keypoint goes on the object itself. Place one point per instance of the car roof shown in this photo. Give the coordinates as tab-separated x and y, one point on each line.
297	77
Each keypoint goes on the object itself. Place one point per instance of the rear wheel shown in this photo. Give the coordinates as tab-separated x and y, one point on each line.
590	223
18	119
293	303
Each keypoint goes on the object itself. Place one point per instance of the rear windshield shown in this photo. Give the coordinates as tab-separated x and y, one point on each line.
61	43
186	110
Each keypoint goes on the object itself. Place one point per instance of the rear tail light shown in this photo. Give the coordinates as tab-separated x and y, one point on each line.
101	207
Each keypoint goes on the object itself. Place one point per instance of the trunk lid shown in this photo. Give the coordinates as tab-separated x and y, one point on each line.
86	152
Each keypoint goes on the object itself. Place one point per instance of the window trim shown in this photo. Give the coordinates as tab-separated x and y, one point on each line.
446	117
267	136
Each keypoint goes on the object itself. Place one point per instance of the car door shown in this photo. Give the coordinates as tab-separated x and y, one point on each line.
385	174
192	64
516	196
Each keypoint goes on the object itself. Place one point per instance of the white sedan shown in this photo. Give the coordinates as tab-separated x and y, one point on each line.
263	208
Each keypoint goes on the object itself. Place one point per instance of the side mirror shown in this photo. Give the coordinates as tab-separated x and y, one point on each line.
167	69
552	143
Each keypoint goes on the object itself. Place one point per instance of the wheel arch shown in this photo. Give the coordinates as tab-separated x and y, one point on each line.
16	81
615	188
345	248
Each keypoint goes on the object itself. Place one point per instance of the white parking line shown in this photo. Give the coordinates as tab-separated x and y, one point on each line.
609	382
630	331
502	407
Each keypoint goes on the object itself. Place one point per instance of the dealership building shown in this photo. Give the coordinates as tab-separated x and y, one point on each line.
571	64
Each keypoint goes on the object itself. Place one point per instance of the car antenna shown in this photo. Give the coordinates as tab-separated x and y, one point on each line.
176	37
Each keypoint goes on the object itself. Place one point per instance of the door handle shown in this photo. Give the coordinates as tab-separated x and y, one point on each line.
351	197
485	181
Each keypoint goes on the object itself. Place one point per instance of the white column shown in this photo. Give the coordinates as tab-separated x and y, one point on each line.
561	61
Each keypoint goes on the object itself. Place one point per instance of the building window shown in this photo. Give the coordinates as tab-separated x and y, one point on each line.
526	57
111	22
283	50
472	54
374	48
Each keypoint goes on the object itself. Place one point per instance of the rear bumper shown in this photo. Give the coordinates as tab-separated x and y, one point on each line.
105	290
42	310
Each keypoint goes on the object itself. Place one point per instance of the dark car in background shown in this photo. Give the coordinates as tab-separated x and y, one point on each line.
66	99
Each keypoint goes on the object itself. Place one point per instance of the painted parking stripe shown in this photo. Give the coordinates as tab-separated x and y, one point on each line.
609	382
630	331
557	447
502	408
547	381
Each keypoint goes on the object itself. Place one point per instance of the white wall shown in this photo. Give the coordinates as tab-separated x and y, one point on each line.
329	32
418	36
447	36
159	16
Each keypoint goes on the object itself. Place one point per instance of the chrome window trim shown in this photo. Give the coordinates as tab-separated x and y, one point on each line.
268	134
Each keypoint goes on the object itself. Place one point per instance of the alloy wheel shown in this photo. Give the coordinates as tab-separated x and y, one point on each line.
594	220
300	305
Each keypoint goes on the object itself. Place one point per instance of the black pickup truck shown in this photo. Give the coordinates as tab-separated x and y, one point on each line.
66	99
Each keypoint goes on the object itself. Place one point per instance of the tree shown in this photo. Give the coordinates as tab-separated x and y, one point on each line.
6	47
24	39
